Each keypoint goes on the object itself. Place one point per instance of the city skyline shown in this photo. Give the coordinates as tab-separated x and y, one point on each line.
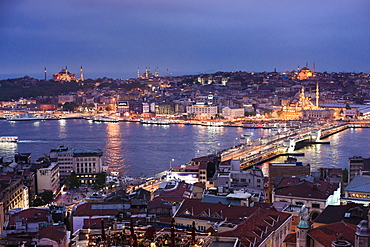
113	38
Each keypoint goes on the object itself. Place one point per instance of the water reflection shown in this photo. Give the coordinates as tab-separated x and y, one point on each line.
114	157
8	149
62	128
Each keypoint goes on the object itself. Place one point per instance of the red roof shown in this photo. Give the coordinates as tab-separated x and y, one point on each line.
56	233
258	226
99	208
31	215
326	234
176	194
296	187
216	212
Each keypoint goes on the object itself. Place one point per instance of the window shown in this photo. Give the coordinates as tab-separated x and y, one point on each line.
201	228
315	205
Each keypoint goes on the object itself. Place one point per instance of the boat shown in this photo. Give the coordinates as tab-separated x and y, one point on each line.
26	117
213	123
8	138
158	121
246	138
104	119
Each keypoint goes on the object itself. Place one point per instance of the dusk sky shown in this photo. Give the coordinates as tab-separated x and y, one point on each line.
113	38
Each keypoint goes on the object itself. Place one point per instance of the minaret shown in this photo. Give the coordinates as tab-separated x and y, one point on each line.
317	94
313	68
156	72
138	72
81	74
167	72
45	73
67	77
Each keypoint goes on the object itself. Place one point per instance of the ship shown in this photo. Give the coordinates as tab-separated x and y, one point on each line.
158	121
8	138
26	117
213	123
104	119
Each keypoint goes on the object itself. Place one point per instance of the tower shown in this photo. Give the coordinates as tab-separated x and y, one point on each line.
45	73
362	237
313	68
67	77
138	72
81	74
317	94
156	72
302	229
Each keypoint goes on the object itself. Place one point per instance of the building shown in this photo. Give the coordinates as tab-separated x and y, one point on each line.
34	226
357	191
230	178
305	73
64	75
315	194
86	164
339	234
90	211
202	111
48	178
13	194
231	113
253	226
352	213
281	170
357	164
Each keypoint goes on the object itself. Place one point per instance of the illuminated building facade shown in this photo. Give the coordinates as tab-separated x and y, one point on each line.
85	163
64	75
202	111
305	73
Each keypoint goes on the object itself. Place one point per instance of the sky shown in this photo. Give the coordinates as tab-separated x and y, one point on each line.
113	38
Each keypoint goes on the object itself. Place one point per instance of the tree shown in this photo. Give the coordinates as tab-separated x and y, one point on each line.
69	106
72	181
47	196
345	175
100	179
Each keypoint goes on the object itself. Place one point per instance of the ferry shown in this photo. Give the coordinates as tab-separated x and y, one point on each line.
213	123
8	138
158	121
104	119
26	117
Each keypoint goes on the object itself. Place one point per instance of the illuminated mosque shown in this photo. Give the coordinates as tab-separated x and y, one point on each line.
305	72
303	108
65	75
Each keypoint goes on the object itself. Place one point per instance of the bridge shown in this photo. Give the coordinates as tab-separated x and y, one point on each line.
260	150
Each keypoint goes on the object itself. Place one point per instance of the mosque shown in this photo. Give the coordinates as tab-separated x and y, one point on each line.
65	75
305	72
304	108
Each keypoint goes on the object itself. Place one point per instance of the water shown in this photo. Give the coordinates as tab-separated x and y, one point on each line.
143	150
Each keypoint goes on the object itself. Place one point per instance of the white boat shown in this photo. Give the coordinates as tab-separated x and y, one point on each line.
158	121
26	117
246	138
104	119
8	138
213	123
